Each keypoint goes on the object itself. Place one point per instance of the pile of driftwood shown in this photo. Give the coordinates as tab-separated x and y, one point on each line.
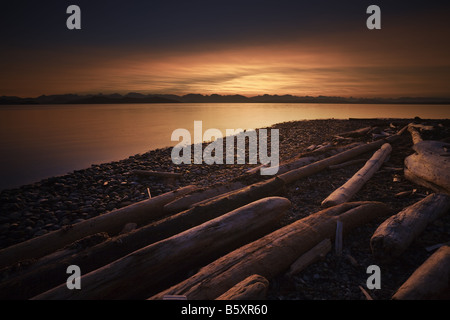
226	241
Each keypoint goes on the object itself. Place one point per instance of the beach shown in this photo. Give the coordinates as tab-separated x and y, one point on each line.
50	204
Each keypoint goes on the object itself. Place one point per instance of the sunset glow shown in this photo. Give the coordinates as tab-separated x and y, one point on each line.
407	57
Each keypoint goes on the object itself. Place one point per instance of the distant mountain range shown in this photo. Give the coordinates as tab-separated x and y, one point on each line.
135	97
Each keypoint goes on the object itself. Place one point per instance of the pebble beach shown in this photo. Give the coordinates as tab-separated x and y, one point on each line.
50	204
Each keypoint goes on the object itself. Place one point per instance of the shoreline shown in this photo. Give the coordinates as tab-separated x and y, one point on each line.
50	204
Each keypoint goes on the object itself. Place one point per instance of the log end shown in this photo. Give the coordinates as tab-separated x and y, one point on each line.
384	248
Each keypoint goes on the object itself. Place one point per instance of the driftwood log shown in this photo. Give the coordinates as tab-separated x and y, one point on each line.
111	222
191	199
430	165
274	253
142	272
252	288
44	276
320	165
396	233
430	281
355	183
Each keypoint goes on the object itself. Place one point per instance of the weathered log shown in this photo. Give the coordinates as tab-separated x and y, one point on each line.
301	160
189	200
356	133
252	288
415	135
430	281
275	252
346	164
142	272
158	174
430	165
320	165
316	253
396	233
38	279
111	222
355	183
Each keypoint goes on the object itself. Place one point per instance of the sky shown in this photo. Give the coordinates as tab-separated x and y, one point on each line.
226	47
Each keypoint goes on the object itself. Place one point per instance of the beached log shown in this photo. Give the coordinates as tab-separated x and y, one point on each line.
430	165
430	281
317	253
158	174
421	126
301	160
275	252
189	200
348	163
252	288
154	267
355	183
320	165
415	135
111	222
356	133
396	233
38	279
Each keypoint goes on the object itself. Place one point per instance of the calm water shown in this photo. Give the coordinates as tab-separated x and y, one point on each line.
42	141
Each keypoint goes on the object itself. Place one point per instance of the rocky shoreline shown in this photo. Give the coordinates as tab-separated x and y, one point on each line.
53	203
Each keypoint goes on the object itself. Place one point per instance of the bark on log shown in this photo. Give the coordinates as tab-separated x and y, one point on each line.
38	279
111	222
189	200
355	183
274	253
315	254
252	288
140	273
396	233
430	281
430	165
320	165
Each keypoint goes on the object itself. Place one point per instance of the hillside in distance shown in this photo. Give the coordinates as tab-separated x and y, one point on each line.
135	97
